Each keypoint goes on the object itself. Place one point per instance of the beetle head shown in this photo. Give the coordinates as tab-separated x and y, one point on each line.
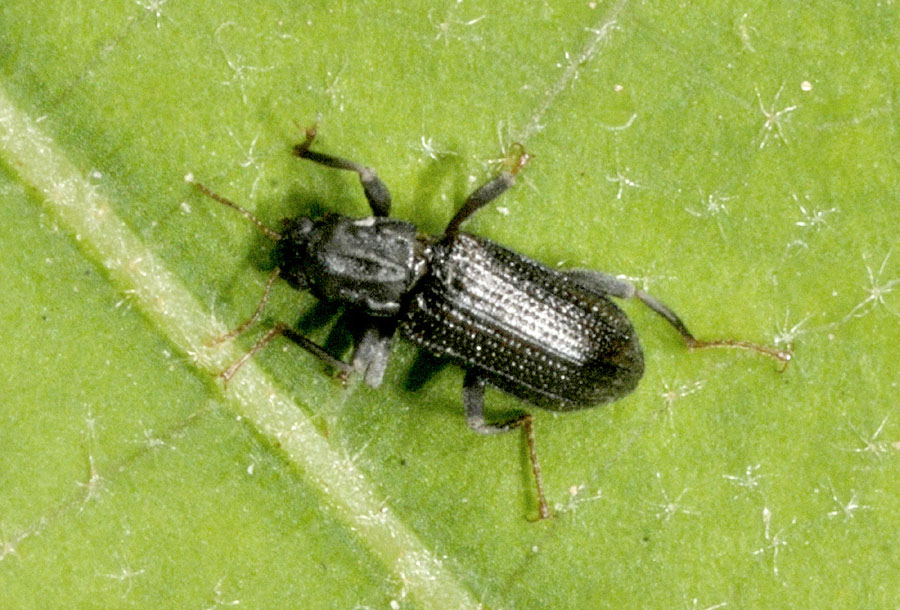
371	262
291	251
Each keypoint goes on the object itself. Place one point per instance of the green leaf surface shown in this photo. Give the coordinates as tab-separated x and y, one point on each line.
739	161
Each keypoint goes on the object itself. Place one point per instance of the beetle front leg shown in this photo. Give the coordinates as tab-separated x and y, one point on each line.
234	332
609	285
278	330
473	399
377	193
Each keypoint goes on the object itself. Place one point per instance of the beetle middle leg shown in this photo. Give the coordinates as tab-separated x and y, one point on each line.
377	193
489	191
373	350
473	400
609	285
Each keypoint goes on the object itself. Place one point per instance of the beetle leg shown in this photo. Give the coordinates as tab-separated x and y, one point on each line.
473	399
488	191
278	330
609	285
234	332
603	283
377	193
373	351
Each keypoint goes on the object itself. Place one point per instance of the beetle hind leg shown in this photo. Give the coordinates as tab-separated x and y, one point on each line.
608	285
473	399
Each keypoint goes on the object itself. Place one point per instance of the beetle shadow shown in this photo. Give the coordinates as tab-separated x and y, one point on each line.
440	181
347	328
341	336
301	202
423	369
278	212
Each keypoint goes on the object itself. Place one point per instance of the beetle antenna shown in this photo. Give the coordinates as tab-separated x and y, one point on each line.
269	232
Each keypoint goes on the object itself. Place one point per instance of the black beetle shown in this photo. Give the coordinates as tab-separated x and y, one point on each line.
552	338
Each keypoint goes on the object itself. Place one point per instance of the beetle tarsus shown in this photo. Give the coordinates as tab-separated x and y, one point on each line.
343	369
518	158
528	427
270	335
782	356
